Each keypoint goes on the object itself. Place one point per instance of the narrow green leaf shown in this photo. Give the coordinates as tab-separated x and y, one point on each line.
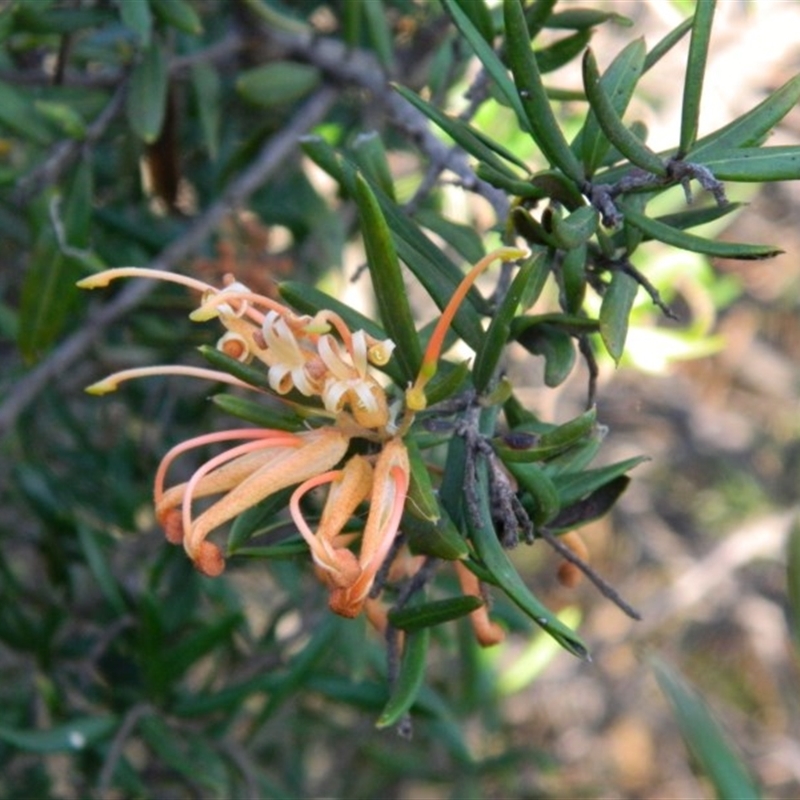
496	561
76	735
579	483
538	14
18	115
409	679
278	83
630	237
370	155
793	579
255	376
580	18
281	550
430	265
618	83
693	217
101	570
282	18
535	105
574	324
558	188
611	123
147	94
179	657
49	293
135	14
695	72
434	270
577	228
541	489
530	229
387	280
251	521
545	339
752	127
178	14
449	379
463	134
705	739
207	93
549	444
480	16
575	459
488	355
226	699
437	612
536	283
257	413
573	279
464	239
351	22
486	55
451	488
379	32
593	506
64	116
561	52
6	22
325	157
615	311
754	164
60	21
661	48
421	500
434	537
502	180
696	244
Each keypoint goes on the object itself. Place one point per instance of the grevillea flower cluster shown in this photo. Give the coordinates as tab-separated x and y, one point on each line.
320	358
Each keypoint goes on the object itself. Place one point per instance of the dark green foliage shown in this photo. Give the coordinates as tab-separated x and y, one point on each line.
139	131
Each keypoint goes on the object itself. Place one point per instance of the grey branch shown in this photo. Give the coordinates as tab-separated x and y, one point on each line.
360	69
272	156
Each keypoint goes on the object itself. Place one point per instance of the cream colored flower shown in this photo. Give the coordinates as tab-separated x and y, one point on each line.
348	382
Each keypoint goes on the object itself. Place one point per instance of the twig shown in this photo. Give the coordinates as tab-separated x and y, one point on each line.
242	760
383	572
271	158
228	46
129	722
602	585
645	283
585	348
66	152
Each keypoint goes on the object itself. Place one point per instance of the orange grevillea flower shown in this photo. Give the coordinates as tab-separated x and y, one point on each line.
320	358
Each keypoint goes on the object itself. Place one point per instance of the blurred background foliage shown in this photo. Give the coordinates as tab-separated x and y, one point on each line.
164	133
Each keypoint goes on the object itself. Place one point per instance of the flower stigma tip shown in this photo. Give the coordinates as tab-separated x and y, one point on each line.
105	386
